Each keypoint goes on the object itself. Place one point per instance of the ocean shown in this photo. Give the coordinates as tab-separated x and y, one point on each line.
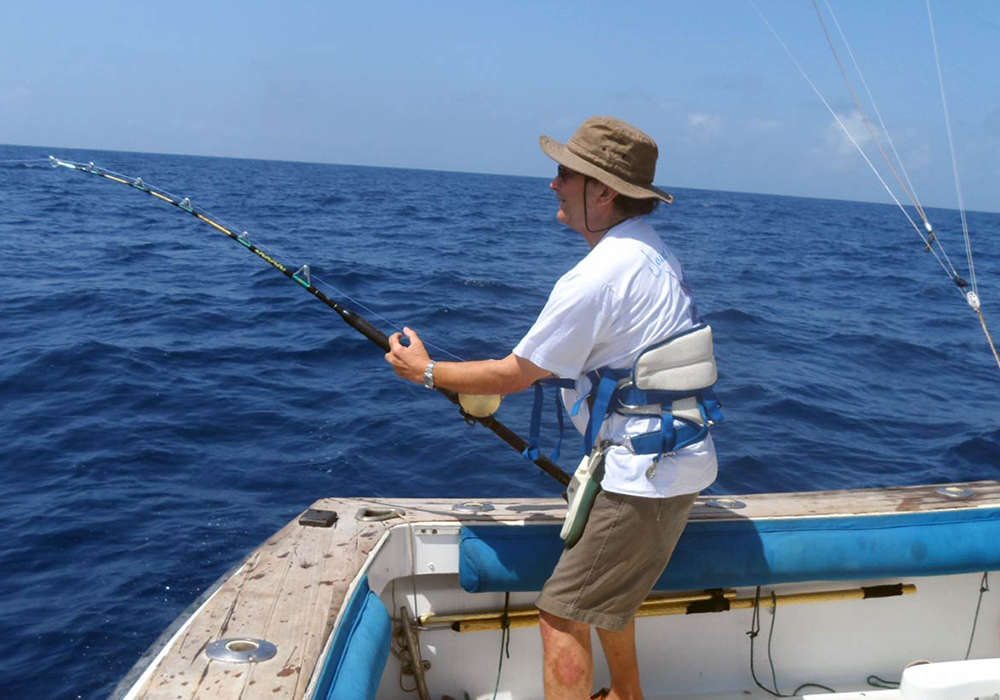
168	400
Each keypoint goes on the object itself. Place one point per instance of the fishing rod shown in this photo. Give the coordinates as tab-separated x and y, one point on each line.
304	279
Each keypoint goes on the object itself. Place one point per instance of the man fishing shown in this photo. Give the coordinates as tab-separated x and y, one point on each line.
623	302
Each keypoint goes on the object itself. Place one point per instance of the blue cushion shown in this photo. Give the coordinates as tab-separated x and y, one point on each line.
360	649
743	552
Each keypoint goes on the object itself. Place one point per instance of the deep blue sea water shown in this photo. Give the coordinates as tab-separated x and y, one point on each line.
168	400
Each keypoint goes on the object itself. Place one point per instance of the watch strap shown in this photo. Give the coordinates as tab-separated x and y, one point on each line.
429	375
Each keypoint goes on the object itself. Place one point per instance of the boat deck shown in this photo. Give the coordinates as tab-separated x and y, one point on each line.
291	589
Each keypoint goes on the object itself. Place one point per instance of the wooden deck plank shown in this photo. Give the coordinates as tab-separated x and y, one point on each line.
901	499
288	592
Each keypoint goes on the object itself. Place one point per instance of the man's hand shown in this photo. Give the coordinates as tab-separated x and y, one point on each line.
503	377
411	360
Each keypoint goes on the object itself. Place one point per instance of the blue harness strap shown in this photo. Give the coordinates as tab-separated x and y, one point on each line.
533	451
670	437
712	405
605	391
559	419
608	399
610	395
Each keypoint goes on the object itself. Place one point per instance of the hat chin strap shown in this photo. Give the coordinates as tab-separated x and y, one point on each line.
586	221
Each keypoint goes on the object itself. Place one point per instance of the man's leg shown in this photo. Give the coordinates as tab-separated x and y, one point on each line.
569	661
619	648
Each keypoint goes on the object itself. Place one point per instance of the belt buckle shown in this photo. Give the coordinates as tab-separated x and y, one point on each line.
627	443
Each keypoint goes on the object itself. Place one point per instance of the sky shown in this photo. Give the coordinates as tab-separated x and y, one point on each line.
469	86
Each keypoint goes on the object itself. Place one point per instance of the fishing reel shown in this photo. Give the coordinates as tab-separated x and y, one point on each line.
480	405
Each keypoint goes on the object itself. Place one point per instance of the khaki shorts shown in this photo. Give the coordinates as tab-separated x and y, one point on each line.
628	541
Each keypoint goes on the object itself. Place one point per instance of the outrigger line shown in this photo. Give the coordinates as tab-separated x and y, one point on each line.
303	277
928	235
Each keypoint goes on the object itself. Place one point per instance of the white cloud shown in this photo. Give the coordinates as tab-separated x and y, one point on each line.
839	154
836	151
703	126
839	141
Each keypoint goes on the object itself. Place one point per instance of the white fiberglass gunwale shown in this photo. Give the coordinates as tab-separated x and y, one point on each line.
293	590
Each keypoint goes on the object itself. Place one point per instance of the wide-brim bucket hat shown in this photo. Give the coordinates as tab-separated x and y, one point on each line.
612	152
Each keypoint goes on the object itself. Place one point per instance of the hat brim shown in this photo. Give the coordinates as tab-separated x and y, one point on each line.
562	155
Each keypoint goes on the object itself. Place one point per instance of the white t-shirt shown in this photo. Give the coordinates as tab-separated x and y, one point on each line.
627	294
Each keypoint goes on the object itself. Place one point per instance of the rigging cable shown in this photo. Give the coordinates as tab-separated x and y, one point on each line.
861	110
850	136
304	278
907	186
881	121
971	296
951	148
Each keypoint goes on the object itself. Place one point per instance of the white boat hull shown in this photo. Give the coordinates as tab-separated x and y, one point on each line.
331	599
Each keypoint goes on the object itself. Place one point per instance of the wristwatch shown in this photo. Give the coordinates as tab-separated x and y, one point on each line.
429	375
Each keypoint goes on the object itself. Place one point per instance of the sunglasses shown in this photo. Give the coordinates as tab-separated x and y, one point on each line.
564	173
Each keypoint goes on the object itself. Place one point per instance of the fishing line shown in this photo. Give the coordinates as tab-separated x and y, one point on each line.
303	277
971	296
280	257
277	255
907	187
871	98
26	160
849	135
978	18
951	147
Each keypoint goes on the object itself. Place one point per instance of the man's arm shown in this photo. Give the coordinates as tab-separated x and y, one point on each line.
506	376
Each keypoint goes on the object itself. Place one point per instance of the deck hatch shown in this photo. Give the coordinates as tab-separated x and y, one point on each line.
318	518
